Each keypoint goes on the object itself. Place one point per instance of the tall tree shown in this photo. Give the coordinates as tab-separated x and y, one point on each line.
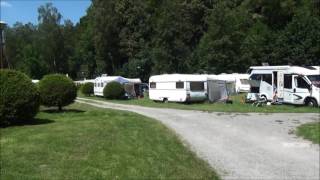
51	38
219	48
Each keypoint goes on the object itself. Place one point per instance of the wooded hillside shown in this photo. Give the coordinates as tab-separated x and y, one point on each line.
137	38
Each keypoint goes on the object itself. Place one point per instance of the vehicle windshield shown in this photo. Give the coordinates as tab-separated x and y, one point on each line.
315	80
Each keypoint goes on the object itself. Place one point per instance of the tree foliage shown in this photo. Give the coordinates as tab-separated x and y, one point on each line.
114	90
139	38
19	97
57	90
87	88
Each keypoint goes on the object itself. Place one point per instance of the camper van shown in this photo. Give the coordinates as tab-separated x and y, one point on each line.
178	87
240	80
286	84
103	80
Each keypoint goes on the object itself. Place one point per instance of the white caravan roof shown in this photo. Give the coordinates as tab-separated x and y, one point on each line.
310	70
178	77
35	80
119	79
228	77
135	80
88	80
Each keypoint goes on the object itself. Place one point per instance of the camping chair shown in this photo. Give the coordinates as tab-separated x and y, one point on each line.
260	101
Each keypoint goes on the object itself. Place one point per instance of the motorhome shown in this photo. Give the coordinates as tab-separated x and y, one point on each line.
103	80
240	80
178	87
286	84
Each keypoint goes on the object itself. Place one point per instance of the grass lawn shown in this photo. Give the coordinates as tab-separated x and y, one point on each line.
237	106
310	131
84	142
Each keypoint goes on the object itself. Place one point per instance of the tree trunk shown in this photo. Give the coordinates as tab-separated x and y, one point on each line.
60	108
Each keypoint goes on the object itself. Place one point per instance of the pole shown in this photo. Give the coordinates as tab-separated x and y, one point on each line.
2	55
1	67
1	47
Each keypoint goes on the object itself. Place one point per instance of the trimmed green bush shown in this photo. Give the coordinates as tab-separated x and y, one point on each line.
113	90
57	90
19	97
87	88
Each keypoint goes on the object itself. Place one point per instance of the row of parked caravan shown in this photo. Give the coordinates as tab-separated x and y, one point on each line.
277	84
177	87
281	84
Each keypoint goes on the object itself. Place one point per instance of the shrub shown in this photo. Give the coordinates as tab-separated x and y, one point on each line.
87	88
19	97
79	86
57	90
113	90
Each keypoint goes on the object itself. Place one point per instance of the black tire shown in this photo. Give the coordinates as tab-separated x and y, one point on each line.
311	102
165	100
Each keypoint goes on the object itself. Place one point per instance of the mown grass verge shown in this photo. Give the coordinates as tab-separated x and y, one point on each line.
310	131
84	142
238	105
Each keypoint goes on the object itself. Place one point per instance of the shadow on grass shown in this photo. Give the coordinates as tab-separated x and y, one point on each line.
62	111
36	121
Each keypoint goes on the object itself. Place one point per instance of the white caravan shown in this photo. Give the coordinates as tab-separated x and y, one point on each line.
103	80
240	80
178	87
287	84
35	81
84	81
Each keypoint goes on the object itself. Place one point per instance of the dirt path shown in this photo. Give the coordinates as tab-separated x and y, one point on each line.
240	145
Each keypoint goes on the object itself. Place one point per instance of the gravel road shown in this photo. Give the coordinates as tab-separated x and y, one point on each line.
240	145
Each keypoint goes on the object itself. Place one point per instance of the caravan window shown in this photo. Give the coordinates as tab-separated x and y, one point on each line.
301	83
179	85
197	86
153	85
267	78
257	77
287	81
262	77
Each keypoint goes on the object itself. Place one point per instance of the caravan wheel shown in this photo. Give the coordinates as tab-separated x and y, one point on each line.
311	102
165	100
264	98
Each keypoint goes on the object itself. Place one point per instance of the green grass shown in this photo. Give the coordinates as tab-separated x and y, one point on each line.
86	143
237	106
310	131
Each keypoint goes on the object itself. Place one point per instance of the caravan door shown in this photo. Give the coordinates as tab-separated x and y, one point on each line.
301	89
287	88
280	84
266	88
